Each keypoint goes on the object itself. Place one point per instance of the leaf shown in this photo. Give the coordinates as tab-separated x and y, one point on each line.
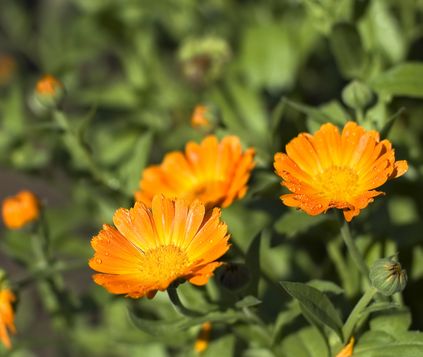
326	286
347	48
132	169
305	343
258	352
392	322
248	301
295	222
316	304
401	80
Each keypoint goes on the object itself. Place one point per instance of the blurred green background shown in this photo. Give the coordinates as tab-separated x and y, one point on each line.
133	71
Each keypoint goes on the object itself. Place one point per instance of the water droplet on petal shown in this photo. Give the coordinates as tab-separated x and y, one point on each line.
98	261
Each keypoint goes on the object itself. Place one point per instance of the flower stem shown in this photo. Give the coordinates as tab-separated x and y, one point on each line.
356	313
353	250
177	303
81	154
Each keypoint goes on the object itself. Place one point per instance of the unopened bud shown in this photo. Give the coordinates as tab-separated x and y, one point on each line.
233	276
357	95
387	276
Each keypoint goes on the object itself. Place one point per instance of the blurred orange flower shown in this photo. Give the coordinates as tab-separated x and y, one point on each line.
7	69
199	117
348	349
7	316
152	247
48	85
203	338
214	172
333	170
20	209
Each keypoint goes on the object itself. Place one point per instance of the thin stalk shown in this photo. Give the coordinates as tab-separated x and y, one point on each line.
353	250
177	303
355	315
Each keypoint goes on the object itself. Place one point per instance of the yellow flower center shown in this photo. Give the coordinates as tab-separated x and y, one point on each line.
338	183
165	263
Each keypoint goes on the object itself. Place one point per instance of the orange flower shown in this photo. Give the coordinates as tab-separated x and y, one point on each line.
152	247
348	349
20	209
199	117
48	85
203	338
7	316
7	69
333	170
215	173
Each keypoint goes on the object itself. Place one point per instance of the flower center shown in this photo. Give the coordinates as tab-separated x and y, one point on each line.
338	183
209	191
164	264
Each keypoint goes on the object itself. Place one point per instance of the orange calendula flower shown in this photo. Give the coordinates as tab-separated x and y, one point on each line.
7	69
336	170
199	117
203	338
152	247
20	209
7	316
348	349
48	85
214	172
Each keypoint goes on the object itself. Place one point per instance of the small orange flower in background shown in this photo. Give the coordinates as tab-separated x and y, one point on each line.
203	338
7	316
7	69
348	349
214	172
20	209
48	85
333	170
199	117
152	247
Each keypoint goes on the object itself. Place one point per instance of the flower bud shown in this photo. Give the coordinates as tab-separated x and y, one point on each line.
49	91
357	95
203	338
20	209
203	59
387	276
204	118
233	276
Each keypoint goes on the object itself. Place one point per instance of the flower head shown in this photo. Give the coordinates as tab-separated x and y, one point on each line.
214	172
7	69
199	117
49	91
20	209
7	315
333	170
152	247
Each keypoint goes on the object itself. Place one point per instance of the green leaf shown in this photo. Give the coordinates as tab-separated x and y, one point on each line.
304	343
348	51
392	322
248	301
316	304
258	352
252	261
401	80
295	222
326	286
133	167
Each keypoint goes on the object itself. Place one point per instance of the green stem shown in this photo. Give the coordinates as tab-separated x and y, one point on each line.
355	315
353	250
177	303
80	153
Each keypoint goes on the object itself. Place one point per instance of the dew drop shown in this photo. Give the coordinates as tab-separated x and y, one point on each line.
98	261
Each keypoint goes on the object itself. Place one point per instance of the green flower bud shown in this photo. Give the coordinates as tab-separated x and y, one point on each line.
387	276
357	95
203	59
